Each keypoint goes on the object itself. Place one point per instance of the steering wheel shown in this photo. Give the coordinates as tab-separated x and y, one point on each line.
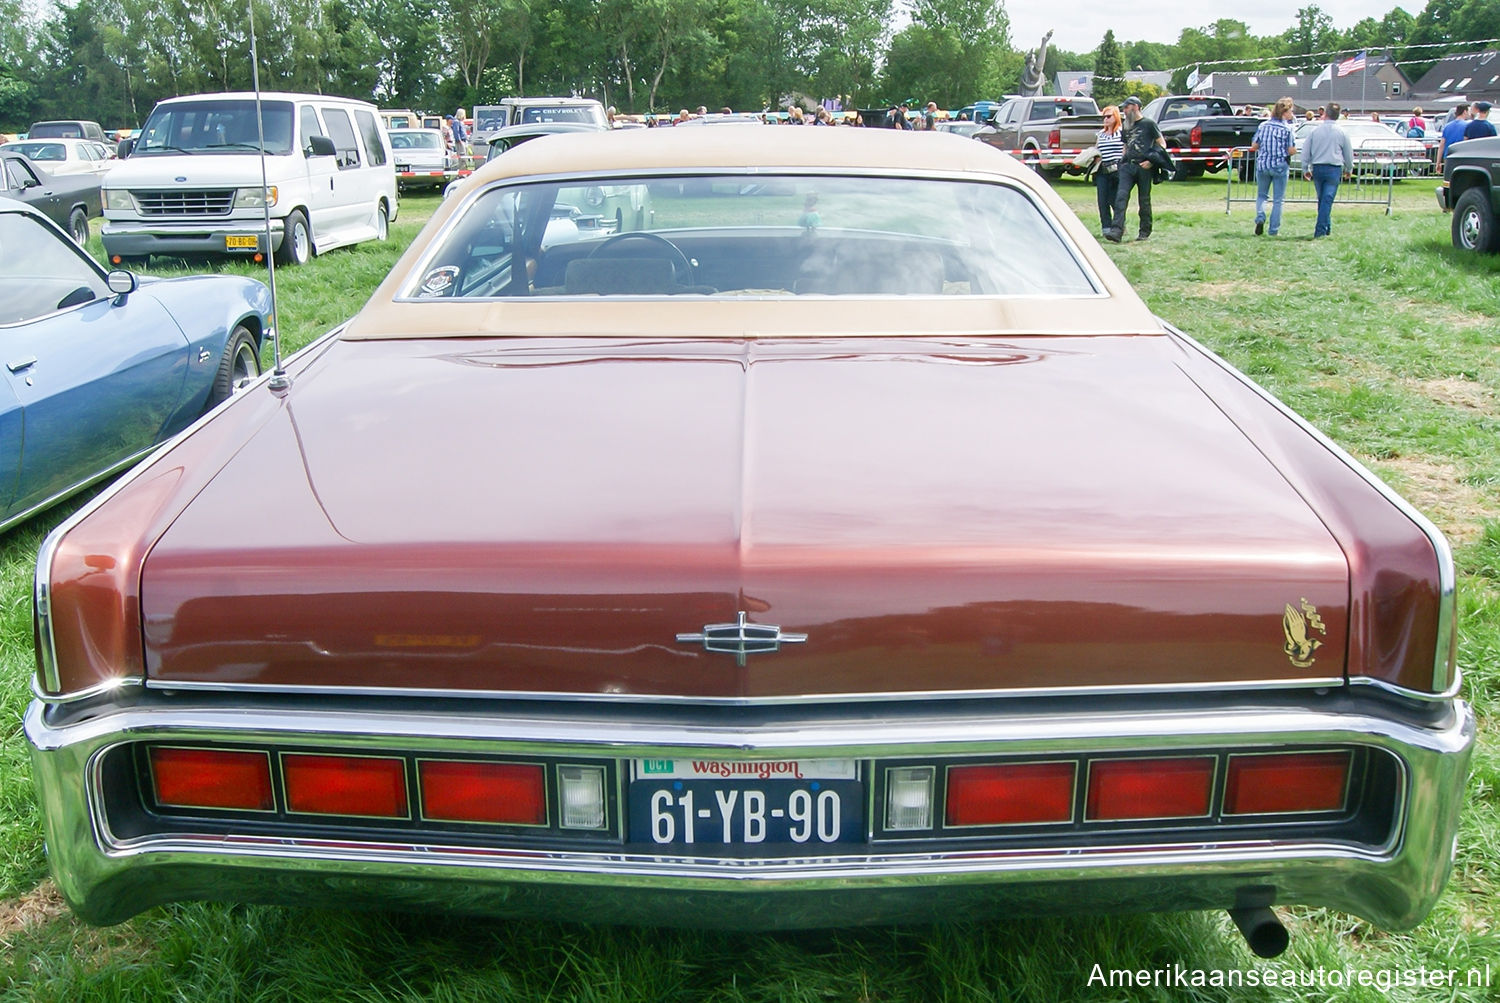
678	257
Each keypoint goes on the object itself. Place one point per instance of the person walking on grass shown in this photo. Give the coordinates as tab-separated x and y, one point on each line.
1273	147
1141	134
1111	144
1329	157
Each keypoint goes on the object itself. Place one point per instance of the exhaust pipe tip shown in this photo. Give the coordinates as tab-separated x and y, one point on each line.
1262	931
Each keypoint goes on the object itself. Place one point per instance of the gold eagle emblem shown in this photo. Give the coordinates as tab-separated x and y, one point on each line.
1296	625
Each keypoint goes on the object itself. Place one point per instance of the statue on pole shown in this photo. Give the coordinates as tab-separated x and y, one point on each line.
1031	76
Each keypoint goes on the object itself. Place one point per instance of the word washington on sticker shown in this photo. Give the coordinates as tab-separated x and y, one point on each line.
749	769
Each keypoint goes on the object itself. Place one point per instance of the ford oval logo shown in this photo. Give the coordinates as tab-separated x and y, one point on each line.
179	179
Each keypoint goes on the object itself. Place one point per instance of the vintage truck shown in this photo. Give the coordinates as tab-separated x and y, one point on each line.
1200	130
1471	191
1045	132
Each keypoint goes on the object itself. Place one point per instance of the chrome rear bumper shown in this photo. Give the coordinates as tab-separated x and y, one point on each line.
108	878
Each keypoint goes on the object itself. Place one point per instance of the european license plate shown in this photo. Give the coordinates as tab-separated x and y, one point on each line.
708	804
239	243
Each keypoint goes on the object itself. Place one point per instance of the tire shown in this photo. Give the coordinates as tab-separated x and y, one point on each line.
78	225
296	241
382	224
1474	223
238	367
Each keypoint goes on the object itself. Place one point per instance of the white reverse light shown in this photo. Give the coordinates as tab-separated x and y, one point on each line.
581	790
908	798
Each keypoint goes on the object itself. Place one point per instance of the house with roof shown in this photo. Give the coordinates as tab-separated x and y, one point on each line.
1381	86
1470	76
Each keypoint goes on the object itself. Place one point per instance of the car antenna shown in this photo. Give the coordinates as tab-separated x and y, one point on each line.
279	380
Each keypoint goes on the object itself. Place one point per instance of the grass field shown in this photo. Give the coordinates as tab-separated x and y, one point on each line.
1382	335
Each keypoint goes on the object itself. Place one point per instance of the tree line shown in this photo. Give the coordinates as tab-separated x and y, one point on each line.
111	60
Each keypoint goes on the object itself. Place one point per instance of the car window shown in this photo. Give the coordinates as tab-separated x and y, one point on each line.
40	151
374	148
756	235
18	175
44	271
346	149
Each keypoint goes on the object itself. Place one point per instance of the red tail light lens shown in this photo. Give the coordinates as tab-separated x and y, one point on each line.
1010	794
1054	139
212	778
501	793
1122	789
1276	783
1195	135
360	786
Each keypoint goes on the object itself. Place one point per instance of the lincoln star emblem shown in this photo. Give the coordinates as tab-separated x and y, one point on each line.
1296	624
740	639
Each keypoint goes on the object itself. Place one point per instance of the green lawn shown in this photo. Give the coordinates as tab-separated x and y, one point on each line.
1381	335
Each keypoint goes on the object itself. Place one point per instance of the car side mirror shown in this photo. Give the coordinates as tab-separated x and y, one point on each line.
122	283
123	150
320	146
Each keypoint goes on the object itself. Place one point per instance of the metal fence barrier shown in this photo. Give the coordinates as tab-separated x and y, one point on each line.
1373	181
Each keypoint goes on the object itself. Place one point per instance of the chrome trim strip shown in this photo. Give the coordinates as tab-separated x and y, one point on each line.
1393	884
108	686
1144	689
1447	576
47	647
65	493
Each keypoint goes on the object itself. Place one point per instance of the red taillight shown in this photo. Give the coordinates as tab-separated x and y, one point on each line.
503	793
1054	139
1010	794
369	787
212	778
1195	135
1150	788
1277	783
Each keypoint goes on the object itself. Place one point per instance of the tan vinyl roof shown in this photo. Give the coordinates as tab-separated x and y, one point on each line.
768	148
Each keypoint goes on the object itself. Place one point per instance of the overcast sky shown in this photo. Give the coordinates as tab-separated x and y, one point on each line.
1079	25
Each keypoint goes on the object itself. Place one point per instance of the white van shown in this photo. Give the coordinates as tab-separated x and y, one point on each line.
191	182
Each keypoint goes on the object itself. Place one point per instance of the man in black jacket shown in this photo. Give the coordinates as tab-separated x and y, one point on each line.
1141	135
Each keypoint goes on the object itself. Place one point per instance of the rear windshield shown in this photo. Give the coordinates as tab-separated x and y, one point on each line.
751	235
216	126
587	114
416	141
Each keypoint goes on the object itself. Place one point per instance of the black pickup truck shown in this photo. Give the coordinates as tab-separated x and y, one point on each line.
1471	190
1199	130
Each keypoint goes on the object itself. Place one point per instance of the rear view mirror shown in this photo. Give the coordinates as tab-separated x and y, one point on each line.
126	145
121	283
319	146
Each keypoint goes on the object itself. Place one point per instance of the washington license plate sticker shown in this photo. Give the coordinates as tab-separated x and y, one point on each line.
720	806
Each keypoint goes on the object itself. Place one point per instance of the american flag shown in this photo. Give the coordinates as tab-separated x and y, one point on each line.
1352	65
1078	83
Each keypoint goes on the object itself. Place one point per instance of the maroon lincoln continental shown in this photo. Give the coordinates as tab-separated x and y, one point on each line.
793	529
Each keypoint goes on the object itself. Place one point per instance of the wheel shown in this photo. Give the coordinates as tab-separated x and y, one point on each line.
1474	222
78	225
296	241
238	367
382	224
683	277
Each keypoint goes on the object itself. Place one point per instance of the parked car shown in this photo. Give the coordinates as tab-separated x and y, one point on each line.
69	200
64	156
512	136
674	576
1378	151
100	368
194	181
66	129
512	111
1471	191
422	161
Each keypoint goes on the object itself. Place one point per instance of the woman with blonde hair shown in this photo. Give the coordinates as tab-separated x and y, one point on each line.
1111	143
1273	147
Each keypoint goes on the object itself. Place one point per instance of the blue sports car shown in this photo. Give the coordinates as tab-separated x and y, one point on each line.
100	367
